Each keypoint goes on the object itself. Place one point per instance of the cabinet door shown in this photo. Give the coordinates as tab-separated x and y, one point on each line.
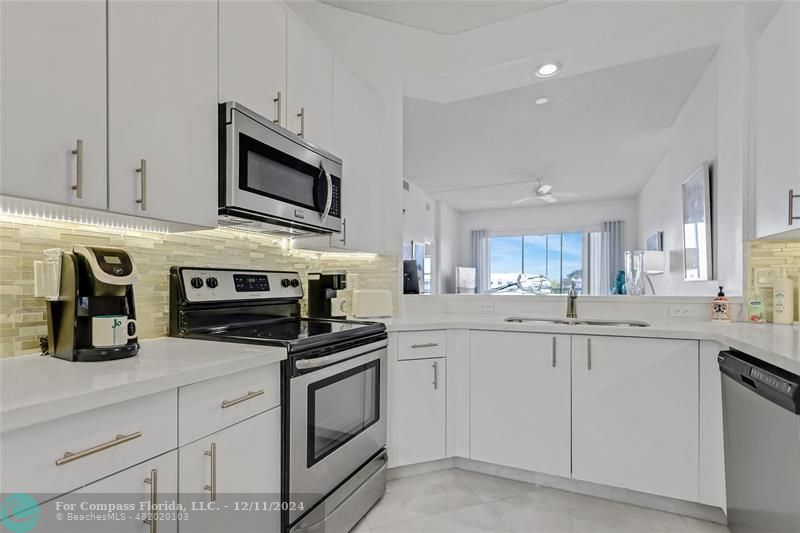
309	85
777	122
133	486
520	400
53	81
357	139
248	459
635	410
418	411
162	85
252	56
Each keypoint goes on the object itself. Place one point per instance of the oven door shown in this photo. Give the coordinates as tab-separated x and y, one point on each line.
337	420
270	171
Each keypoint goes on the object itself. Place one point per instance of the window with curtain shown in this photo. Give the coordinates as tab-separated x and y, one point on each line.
550	261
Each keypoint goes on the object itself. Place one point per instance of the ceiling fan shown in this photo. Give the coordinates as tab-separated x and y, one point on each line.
542	191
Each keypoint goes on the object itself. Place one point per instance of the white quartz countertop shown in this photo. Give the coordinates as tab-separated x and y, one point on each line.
776	344
35	389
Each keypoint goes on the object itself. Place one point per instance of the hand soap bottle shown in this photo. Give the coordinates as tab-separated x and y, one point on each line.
721	308
756	311
783	300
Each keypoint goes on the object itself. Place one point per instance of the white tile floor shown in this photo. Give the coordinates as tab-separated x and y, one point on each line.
463	502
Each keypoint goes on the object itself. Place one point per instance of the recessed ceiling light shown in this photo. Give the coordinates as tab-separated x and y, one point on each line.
548	69
541	101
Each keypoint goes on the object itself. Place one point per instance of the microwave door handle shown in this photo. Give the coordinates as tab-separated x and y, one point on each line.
329	200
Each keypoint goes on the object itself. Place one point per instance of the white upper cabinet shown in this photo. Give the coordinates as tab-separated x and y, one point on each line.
54	101
162	90
309	85
358	139
777	124
520	400
635	414
252	56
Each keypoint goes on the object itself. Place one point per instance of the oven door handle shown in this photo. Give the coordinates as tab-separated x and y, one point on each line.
317	362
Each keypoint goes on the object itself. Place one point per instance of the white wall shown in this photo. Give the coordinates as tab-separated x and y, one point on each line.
560	217
693	140
419	215
448	247
710	127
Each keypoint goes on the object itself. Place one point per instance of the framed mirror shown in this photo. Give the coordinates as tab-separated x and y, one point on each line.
697	246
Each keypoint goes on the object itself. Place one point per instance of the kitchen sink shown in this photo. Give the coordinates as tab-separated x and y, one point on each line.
624	323
578	321
527	320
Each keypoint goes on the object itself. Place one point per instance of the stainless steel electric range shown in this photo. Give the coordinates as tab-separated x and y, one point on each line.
333	389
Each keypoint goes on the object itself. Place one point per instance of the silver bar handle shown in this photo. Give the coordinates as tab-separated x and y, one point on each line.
588	354
153	482
436	375
249	396
142	170
306	364
277	101
329	200
212	488
302	116
425	345
554	352
792	198
68	457
78	153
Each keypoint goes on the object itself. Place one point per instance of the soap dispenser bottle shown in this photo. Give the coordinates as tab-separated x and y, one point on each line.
755	307
783	300
721	308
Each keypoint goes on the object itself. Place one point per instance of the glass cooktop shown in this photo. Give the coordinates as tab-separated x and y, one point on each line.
295	329
296	332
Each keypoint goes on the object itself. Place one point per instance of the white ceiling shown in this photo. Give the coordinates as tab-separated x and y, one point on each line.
601	135
445	17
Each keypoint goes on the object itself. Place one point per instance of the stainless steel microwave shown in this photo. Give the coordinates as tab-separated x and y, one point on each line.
273	181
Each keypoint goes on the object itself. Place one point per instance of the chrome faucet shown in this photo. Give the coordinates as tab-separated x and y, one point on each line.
572	302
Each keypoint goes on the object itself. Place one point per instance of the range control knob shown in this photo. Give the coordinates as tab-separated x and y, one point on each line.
212	283
196	282
295	283
285	282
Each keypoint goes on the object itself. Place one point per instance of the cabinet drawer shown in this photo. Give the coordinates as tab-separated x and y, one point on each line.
102	441
421	344
211	405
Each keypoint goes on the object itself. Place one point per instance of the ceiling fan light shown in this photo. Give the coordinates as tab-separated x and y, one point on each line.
544	189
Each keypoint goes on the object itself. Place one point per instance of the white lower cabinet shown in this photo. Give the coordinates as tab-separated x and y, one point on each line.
635	410
520	400
418	429
244	458
138	485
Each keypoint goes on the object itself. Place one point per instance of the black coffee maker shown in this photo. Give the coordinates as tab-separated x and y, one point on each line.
95	283
321	290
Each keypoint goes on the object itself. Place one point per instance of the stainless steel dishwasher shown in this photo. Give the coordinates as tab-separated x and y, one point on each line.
761	410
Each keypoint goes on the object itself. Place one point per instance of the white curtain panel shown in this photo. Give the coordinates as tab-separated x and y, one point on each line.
480	259
613	253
